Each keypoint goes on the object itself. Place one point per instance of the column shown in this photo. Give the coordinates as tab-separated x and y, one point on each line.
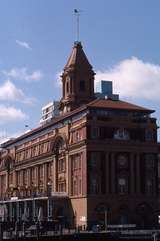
34	209
54	178
49	209
21	178
5	184
132	174
17	211
10	211
28	177
45	177
25	211
107	171
69	175
113	176
14	179
0	186
84	172
37	176
67	172
138	177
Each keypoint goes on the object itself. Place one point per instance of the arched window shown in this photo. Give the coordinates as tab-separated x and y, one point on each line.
59	146
60	159
67	87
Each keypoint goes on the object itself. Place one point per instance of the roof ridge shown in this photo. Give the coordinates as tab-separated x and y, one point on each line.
119	104
92	102
77	55
134	104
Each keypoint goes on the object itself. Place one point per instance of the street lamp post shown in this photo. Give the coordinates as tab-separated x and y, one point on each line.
105	218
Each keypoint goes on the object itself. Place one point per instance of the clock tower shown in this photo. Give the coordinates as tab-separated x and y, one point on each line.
77	80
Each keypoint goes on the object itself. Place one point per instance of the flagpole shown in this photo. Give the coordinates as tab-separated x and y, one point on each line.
78	27
77	14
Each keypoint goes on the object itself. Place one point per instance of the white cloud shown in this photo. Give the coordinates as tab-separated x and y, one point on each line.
12	114
134	78
4	136
23	44
58	80
22	74
9	92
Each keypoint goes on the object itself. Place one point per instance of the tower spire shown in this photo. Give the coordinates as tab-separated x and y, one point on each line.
77	80
77	15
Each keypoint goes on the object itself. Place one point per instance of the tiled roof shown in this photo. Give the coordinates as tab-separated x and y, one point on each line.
77	57
117	104
97	103
45	126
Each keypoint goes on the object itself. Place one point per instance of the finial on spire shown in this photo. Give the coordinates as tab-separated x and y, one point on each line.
77	14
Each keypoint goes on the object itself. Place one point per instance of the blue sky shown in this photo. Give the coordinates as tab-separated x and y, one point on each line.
120	38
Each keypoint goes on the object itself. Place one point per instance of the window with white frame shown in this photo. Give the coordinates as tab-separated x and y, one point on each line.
121	134
122	185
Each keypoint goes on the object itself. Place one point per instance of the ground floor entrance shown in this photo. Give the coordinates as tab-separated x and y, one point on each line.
34	209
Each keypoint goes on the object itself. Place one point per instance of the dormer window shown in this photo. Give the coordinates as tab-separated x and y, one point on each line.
121	134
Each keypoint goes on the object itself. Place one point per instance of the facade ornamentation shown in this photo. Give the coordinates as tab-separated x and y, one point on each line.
99	155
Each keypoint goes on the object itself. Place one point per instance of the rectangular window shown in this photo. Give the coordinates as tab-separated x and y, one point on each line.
149	161
28	153
76	162
75	186
82	85
62	187
41	169
49	172
11	178
33	174
25	177
94	184
122	185
18	178
42	148
61	165
80	186
33	151
95	132
149	186
95	159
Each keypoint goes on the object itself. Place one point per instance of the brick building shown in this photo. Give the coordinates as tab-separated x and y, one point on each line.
98	156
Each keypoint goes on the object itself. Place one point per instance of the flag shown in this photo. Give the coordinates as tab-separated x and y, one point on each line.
75	11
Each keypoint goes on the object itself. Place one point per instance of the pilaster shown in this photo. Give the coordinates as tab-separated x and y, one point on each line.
132	174
113	176
107	172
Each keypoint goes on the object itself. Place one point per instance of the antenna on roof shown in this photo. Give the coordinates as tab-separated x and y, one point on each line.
77	15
